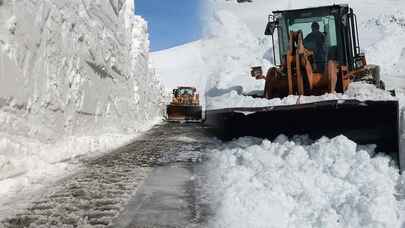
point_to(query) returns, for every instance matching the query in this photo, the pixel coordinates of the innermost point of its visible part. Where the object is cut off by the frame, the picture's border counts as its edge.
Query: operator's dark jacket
(315, 41)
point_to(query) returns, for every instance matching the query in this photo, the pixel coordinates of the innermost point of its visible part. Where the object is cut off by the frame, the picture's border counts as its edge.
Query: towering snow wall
(74, 78)
(74, 67)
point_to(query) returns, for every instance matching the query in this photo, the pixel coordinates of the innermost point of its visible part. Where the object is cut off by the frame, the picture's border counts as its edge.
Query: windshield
(319, 35)
(185, 91)
(327, 26)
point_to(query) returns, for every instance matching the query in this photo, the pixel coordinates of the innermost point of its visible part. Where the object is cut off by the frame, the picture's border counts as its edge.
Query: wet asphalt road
(151, 182)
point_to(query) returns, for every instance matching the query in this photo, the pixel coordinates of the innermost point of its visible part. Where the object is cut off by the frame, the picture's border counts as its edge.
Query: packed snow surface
(75, 78)
(300, 183)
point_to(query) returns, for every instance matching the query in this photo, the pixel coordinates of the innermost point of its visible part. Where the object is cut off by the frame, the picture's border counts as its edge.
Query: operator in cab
(315, 41)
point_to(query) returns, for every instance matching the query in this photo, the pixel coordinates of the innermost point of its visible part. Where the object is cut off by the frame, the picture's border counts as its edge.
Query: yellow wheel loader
(185, 106)
(319, 52)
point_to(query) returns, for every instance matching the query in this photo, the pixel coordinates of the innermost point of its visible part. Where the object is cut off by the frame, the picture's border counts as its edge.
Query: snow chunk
(12, 25)
(329, 183)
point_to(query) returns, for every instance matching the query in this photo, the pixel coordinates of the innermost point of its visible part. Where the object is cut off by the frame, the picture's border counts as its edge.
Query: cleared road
(151, 182)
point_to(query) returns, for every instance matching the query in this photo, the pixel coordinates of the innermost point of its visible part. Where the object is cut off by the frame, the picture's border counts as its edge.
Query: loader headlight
(359, 63)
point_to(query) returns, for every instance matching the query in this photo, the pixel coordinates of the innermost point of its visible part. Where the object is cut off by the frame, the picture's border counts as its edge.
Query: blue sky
(171, 22)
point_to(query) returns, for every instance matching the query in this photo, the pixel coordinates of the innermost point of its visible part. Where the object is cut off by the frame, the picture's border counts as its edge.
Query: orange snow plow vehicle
(318, 52)
(185, 106)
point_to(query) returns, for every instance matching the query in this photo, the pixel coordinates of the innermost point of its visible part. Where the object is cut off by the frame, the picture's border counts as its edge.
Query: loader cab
(337, 24)
(186, 96)
(183, 91)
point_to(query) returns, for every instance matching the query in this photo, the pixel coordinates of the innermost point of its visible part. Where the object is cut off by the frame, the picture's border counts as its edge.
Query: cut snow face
(300, 183)
(77, 67)
(75, 78)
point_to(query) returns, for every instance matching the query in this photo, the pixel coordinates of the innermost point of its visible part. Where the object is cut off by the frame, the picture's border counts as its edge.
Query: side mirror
(271, 26)
(256, 72)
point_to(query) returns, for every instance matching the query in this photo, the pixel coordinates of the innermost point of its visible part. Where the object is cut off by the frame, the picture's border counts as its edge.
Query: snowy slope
(213, 64)
(74, 78)
(180, 66)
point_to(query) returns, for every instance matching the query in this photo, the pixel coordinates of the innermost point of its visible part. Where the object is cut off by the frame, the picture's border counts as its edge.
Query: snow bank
(299, 183)
(356, 91)
(75, 78)
(20, 155)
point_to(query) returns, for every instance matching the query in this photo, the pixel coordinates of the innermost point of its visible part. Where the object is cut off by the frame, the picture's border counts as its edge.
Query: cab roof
(335, 6)
(186, 87)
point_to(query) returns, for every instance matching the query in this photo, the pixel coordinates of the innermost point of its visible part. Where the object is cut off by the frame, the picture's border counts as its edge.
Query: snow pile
(20, 155)
(356, 91)
(327, 183)
(74, 78)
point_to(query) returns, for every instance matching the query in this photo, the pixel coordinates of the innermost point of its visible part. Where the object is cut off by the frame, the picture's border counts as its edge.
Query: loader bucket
(368, 122)
(184, 113)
